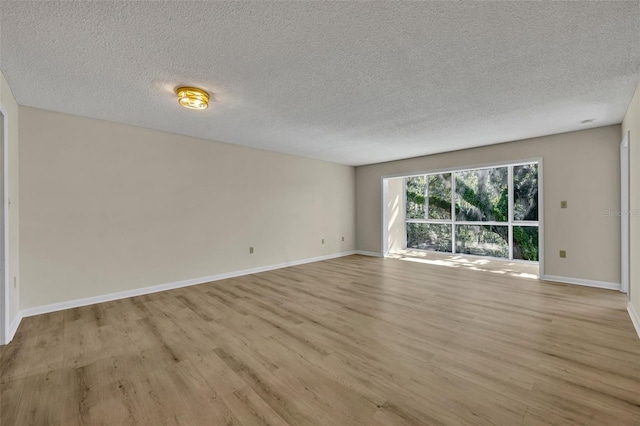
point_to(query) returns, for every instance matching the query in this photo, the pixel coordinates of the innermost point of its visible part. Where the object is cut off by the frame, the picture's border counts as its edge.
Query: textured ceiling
(348, 82)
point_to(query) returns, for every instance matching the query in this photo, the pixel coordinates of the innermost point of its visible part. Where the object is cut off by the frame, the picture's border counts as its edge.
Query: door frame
(625, 214)
(4, 288)
(4, 278)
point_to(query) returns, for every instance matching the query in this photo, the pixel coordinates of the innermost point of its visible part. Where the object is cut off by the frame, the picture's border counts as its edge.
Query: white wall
(109, 207)
(582, 168)
(11, 110)
(631, 123)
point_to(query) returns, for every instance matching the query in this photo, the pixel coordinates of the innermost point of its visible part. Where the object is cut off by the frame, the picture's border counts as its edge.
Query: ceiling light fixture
(192, 97)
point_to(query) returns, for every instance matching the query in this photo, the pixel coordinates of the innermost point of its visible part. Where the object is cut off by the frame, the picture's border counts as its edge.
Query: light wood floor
(351, 341)
(508, 268)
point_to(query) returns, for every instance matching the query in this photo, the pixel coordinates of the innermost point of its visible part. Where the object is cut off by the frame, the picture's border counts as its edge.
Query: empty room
(320, 213)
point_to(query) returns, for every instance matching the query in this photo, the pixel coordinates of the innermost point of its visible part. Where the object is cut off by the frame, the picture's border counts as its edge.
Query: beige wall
(395, 215)
(631, 123)
(11, 108)
(109, 207)
(582, 168)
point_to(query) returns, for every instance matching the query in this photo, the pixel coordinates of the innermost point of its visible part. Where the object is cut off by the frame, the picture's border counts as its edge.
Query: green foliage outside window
(416, 188)
(481, 195)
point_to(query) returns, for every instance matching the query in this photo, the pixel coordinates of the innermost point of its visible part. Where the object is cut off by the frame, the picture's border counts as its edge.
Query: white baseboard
(44, 309)
(635, 318)
(368, 253)
(580, 281)
(13, 328)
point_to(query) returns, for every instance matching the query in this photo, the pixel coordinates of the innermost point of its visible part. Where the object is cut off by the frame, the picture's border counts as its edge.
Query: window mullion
(453, 212)
(510, 210)
(404, 197)
(426, 197)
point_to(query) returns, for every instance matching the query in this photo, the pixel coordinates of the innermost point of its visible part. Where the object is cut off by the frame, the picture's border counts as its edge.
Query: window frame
(510, 223)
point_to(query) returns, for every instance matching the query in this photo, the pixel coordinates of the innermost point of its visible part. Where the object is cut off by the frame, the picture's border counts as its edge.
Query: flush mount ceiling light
(192, 97)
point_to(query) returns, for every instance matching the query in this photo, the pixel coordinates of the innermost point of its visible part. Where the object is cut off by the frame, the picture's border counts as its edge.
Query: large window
(487, 212)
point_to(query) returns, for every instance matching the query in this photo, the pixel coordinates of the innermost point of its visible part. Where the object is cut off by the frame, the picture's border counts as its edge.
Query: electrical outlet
(563, 254)
(250, 249)
(563, 204)
(323, 241)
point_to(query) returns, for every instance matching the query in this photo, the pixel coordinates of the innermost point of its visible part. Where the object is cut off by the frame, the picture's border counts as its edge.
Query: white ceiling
(349, 82)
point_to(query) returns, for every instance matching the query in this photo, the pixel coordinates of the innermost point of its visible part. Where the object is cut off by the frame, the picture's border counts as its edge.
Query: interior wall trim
(13, 327)
(583, 282)
(368, 253)
(635, 318)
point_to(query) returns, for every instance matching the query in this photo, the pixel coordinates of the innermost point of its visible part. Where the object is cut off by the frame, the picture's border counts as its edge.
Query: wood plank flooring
(350, 341)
